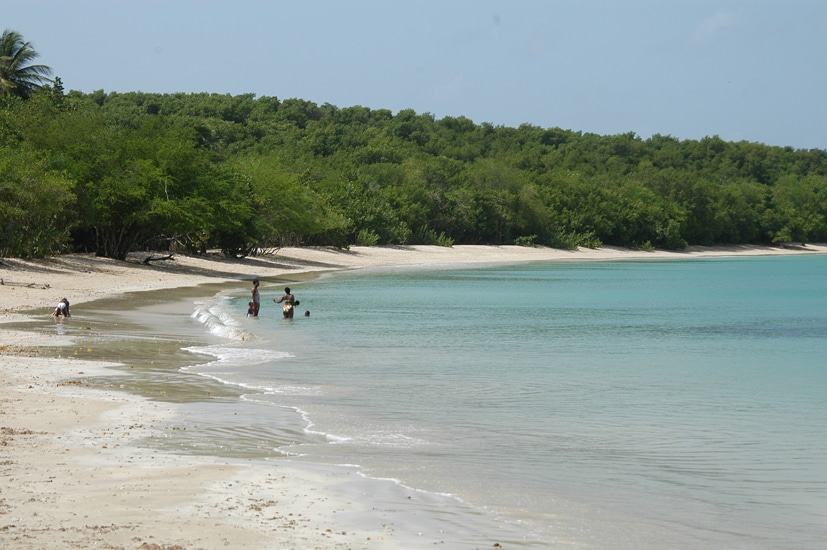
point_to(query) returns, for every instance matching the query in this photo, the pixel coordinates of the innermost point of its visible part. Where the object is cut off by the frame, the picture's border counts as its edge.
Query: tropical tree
(33, 205)
(18, 76)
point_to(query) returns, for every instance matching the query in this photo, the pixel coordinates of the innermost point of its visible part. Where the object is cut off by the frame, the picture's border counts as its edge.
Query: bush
(444, 240)
(426, 235)
(366, 237)
(528, 240)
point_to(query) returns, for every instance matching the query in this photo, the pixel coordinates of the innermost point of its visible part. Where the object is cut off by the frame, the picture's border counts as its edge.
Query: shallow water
(669, 404)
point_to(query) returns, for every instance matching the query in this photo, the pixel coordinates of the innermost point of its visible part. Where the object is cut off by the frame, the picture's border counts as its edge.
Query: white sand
(72, 477)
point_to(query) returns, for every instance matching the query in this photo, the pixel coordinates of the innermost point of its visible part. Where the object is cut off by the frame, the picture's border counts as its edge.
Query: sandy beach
(72, 474)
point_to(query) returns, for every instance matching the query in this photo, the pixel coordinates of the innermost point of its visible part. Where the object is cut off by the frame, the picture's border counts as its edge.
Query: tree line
(117, 172)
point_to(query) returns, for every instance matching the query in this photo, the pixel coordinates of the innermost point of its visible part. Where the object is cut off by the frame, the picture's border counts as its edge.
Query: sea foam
(219, 321)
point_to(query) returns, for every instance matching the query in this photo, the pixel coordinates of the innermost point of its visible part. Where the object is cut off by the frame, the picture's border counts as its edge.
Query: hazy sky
(752, 70)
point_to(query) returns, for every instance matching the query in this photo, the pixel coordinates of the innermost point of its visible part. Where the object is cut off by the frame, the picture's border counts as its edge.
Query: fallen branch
(157, 258)
(27, 285)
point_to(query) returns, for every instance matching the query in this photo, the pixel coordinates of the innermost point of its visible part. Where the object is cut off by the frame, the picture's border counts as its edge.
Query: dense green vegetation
(117, 172)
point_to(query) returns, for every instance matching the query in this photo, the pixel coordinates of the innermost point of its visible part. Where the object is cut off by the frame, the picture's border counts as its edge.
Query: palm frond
(18, 75)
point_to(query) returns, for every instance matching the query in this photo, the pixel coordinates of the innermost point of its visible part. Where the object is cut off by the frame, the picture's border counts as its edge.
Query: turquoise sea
(623, 405)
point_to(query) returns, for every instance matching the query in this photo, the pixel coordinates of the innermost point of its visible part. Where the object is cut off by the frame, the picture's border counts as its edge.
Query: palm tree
(17, 75)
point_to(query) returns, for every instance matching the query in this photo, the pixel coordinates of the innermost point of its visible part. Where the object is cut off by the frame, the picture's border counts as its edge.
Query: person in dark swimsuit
(256, 295)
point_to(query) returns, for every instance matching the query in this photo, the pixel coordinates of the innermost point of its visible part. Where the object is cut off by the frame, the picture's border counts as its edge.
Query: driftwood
(27, 285)
(157, 258)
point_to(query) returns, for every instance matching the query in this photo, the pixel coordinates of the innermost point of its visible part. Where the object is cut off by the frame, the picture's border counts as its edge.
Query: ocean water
(623, 405)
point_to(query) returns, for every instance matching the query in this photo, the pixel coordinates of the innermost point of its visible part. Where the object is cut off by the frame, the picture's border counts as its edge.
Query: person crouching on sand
(289, 303)
(62, 309)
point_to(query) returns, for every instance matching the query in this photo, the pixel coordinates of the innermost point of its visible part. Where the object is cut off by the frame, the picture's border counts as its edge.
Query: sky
(753, 70)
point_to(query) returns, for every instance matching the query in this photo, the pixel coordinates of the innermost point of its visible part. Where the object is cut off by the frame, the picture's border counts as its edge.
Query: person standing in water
(256, 298)
(289, 303)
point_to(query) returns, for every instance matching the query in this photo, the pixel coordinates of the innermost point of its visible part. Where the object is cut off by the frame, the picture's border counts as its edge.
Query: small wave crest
(219, 321)
(230, 356)
(230, 363)
(391, 440)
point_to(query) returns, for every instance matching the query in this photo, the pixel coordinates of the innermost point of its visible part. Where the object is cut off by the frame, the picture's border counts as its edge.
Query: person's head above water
(287, 290)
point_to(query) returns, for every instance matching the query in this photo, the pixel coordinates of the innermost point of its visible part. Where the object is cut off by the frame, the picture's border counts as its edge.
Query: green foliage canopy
(198, 171)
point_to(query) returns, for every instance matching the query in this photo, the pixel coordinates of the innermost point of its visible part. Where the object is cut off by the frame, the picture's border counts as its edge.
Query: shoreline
(29, 285)
(72, 477)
